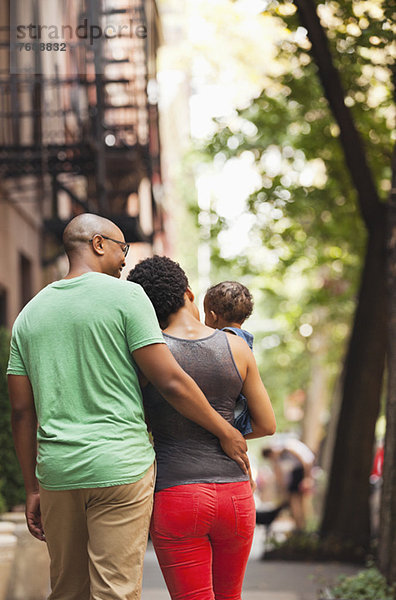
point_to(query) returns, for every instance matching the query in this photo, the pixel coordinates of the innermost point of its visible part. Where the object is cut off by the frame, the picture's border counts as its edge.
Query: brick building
(78, 133)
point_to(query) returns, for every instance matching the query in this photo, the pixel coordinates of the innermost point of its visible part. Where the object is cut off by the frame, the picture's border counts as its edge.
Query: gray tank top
(186, 452)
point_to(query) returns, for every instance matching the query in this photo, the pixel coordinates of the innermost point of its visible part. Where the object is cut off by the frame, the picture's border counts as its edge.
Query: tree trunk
(351, 141)
(346, 513)
(387, 541)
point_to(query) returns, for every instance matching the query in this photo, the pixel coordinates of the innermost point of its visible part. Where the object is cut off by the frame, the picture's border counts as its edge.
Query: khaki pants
(97, 539)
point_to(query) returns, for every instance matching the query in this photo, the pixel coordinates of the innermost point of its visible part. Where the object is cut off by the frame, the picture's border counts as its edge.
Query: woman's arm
(260, 408)
(259, 405)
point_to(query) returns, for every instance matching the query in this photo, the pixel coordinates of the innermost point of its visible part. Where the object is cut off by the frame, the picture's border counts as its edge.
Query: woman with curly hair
(204, 515)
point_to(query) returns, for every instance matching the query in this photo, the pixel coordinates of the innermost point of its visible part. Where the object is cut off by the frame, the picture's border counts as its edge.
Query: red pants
(202, 535)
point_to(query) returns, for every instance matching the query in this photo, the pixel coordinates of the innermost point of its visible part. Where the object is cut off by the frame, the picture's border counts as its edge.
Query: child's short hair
(231, 300)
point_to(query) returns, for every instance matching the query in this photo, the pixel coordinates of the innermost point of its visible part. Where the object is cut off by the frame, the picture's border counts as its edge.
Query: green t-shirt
(74, 342)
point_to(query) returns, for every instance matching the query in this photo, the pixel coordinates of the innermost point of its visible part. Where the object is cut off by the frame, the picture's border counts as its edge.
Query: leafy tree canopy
(306, 238)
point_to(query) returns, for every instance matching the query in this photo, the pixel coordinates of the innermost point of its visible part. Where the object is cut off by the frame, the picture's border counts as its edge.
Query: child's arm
(242, 419)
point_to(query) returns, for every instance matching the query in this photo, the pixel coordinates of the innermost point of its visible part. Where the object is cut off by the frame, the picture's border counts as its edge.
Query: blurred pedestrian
(376, 488)
(292, 462)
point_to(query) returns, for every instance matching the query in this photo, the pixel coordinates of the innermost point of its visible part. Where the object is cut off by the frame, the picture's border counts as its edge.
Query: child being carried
(227, 305)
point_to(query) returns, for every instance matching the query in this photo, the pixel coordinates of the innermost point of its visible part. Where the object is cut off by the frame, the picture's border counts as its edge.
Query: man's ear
(97, 244)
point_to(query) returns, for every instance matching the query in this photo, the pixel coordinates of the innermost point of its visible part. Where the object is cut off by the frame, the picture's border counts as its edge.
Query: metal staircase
(86, 135)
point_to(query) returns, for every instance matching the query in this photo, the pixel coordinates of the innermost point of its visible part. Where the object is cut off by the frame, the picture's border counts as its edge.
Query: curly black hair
(231, 300)
(164, 282)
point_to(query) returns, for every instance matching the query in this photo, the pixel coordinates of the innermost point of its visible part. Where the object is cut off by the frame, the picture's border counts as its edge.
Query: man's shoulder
(129, 285)
(102, 281)
(37, 298)
(20, 325)
(119, 293)
(121, 285)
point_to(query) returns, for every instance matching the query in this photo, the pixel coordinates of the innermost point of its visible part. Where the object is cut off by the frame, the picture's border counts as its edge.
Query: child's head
(226, 303)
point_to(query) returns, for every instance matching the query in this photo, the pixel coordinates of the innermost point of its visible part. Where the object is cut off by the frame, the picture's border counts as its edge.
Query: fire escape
(88, 139)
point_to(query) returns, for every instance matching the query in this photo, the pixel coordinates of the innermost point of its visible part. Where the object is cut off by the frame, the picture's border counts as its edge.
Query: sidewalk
(264, 580)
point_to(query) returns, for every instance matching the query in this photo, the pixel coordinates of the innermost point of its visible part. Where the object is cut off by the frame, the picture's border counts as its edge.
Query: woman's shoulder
(240, 352)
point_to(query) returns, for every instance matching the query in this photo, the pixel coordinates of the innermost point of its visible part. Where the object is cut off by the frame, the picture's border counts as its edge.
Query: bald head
(82, 228)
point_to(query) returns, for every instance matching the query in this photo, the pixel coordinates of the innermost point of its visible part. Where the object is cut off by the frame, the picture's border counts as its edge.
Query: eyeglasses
(125, 246)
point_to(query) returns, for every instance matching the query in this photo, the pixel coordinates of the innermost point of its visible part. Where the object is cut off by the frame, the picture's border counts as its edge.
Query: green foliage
(366, 585)
(12, 489)
(360, 36)
(307, 239)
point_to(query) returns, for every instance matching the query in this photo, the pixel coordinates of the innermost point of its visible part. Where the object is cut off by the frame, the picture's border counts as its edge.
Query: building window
(25, 271)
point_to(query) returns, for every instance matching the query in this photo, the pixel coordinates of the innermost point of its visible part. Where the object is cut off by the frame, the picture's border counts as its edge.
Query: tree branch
(351, 141)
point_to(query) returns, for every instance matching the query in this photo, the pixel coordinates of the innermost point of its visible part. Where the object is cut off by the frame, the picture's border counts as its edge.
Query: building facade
(78, 133)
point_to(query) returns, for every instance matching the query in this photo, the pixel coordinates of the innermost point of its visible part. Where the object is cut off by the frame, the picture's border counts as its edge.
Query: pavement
(264, 580)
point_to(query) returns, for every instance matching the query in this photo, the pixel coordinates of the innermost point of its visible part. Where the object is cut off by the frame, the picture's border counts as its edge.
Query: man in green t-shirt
(77, 417)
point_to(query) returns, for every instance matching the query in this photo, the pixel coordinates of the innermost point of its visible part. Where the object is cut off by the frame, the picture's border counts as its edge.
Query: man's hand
(33, 515)
(234, 445)
(160, 368)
